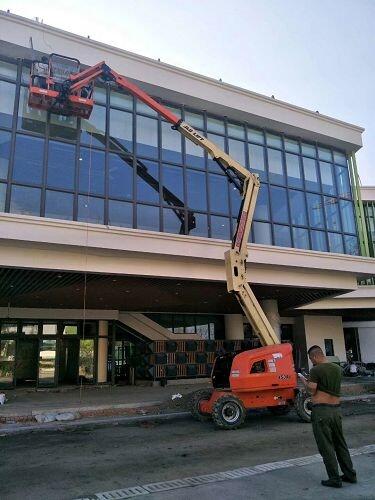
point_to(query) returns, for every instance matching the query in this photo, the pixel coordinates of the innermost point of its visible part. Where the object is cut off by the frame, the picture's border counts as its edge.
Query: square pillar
(234, 327)
(102, 352)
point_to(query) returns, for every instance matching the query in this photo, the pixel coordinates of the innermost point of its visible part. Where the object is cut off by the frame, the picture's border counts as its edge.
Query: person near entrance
(324, 385)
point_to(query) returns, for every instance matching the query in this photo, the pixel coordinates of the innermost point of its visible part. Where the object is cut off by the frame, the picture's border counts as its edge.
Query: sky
(318, 54)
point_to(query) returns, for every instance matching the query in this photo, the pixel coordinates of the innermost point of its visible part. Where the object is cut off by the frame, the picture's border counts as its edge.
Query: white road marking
(146, 489)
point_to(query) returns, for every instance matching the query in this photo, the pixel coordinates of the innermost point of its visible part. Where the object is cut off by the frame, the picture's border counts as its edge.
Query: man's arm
(309, 385)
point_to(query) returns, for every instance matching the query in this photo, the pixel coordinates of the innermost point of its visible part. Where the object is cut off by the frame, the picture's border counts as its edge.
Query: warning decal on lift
(271, 365)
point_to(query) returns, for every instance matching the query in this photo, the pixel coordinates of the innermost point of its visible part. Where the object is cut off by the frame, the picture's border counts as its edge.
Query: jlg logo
(193, 132)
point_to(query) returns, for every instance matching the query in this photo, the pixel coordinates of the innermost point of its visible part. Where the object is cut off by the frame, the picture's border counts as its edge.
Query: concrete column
(234, 327)
(102, 351)
(271, 310)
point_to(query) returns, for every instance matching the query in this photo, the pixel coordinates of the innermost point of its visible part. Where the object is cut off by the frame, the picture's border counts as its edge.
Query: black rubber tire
(195, 399)
(301, 403)
(222, 410)
(280, 410)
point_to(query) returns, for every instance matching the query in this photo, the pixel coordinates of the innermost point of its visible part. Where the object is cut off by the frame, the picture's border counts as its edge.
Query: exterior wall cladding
(126, 167)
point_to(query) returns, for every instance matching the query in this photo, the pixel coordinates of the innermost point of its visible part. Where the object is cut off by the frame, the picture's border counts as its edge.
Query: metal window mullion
(106, 157)
(44, 167)
(77, 169)
(134, 158)
(159, 163)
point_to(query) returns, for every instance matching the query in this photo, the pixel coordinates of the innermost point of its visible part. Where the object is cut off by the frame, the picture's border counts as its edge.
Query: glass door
(7, 358)
(47, 362)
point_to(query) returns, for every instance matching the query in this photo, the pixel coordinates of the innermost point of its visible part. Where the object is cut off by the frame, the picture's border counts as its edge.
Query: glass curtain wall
(126, 167)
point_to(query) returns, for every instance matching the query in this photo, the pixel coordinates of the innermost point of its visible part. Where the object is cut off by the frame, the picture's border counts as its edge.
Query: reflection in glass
(61, 165)
(91, 171)
(93, 129)
(201, 226)
(59, 205)
(343, 182)
(351, 245)
(63, 127)
(49, 329)
(326, 175)
(70, 330)
(121, 131)
(262, 210)
(262, 233)
(215, 125)
(279, 205)
(173, 182)
(339, 158)
(235, 130)
(148, 181)
(194, 119)
(273, 140)
(257, 161)
(237, 151)
(218, 189)
(298, 207)
(275, 166)
(173, 221)
(308, 149)
(28, 159)
(3, 192)
(220, 143)
(195, 154)
(236, 199)
(147, 137)
(25, 200)
(332, 213)
(5, 138)
(86, 360)
(293, 170)
(311, 174)
(220, 227)
(148, 218)
(318, 241)
(315, 210)
(282, 236)
(29, 119)
(347, 216)
(171, 143)
(90, 209)
(324, 154)
(301, 238)
(120, 176)
(120, 213)
(291, 145)
(196, 190)
(47, 361)
(256, 136)
(335, 243)
(7, 355)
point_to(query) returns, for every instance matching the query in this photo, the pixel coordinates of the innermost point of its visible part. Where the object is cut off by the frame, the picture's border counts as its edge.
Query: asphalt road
(77, 463)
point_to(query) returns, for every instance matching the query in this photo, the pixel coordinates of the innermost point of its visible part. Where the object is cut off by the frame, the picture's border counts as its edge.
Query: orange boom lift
(259, 378)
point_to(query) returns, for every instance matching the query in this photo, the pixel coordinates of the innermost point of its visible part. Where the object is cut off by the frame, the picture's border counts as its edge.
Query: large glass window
(237, 151)
(319, 241)
(47, 362)
(235, 130)
(279, 204)
(86, 360)
(218, 186)
(343, 182)
(332, 213)
(7, 92)
(91, 171)
(120, 100)
(91, 209)
(148, 217)
(147, 137)
(93, 129)
(3, 191)
(120, 213)
(30, 119)
(262, 233)
(275, 166)
(220, 227)
(8, 70)
(196, 190)
(282, 235)
(201, 226)
(148, 181)
(293, 170)
(63, 127)
(28, 159)
(25, 200)
(61, 165)
(311, 174)
(171, 143)
(120, 176)
(220, 143)
(59, 205)
(315, 210)
(327, 177)
(195, 154)
(347, 216)
(351, 244)
(336, 244)
(121, 131)
(173, 221)
(5, 138)
(301, 238)
(257, 161)
(298, 207)
(262, 210)
(215, 125)
(7, 357)
(256, 136)
(173, 185)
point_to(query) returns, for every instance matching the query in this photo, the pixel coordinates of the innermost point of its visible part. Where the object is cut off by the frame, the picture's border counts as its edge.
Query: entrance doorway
(352, 343)
(68, 361)
(26, 369)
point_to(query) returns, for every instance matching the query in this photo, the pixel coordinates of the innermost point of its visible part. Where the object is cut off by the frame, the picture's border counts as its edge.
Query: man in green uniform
(324, 385)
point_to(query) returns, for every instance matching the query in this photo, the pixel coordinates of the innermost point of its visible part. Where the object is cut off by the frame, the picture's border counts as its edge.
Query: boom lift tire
(280, 410)
(302, 405)
(228, 412)
(195, 399)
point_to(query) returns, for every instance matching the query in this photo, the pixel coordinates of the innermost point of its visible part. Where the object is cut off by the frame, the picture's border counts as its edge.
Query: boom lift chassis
(67, 98)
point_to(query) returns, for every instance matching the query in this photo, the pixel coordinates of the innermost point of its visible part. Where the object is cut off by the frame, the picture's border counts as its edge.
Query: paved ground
(78, 463)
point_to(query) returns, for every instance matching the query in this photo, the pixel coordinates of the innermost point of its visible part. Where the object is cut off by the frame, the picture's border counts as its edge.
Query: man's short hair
(315, 349)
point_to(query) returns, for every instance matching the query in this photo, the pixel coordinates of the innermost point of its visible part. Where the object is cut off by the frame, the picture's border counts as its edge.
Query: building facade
(114, 228)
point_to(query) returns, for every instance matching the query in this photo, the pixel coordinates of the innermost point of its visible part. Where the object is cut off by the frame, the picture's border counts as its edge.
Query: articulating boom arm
(246, 182)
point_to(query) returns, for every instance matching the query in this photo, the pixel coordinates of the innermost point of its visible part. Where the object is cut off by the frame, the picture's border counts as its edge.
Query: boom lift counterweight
(72, 95)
